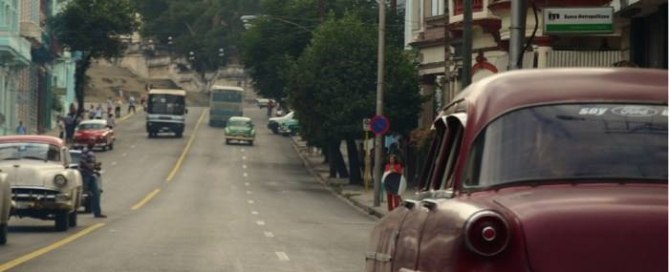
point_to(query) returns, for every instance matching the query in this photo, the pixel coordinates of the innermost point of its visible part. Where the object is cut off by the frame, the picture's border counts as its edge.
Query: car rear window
(574, 141)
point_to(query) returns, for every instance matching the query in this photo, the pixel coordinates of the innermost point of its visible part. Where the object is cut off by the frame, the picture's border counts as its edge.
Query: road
(196, 204)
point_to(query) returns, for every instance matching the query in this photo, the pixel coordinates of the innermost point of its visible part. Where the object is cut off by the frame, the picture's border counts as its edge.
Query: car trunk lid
(593, 227)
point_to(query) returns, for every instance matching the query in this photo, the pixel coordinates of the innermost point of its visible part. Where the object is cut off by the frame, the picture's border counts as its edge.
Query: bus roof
(168, 91)
(231, 88)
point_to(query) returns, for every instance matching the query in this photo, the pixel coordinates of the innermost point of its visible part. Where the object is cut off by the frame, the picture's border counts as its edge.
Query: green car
(289, 127)
(241, 129)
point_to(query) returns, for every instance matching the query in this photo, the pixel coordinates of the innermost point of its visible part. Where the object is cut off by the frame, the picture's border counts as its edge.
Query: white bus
(166, 111)
(225, 102)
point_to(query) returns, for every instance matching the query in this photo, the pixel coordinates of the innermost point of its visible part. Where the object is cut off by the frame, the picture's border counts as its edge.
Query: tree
(94, 28)
(332, 86)
(201, 26)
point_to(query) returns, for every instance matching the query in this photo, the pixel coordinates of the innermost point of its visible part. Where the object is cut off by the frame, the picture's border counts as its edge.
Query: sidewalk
(355, 195)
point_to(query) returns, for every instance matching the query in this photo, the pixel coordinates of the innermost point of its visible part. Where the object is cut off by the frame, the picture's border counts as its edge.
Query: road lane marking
(246, 175)
(243, 157)
(244, 166)
(247, 184)
(248, 192)
(113, 163)
(260, 223)
(243, 150)
(282, 256)
(269, 234)
(132, 146)
(251, 202)
(146, 199)
(25, 258)
(186, 149)
(124, 154)
(254, 213)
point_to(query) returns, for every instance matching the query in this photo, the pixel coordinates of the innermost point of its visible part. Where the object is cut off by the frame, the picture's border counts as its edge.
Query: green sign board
(578, 20)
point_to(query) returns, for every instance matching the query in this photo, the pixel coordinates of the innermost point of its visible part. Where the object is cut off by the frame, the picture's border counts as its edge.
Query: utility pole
(447, 54)
(378, 148)
(517, 40)
(467, 44)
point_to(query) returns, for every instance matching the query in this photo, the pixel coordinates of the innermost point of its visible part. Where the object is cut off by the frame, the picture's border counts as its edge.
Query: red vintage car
(540, 170)
(94, 130)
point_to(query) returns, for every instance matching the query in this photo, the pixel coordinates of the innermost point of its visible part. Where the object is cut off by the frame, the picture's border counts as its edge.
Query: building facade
(639, 38)
(14, 56)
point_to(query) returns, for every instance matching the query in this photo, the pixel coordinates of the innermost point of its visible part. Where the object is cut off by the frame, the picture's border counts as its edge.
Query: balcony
(32, 31)
(14, 50)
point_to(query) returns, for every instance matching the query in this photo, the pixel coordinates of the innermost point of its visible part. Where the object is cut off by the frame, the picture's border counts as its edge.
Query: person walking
(61, 127)
(393, 194)
(111, 122)
(87, 168)
(21, 130)
(70, 125)
(131, 104)
(91, 112)
(270, 106)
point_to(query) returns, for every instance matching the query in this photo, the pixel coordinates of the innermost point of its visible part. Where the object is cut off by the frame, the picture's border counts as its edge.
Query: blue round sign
(380, 125)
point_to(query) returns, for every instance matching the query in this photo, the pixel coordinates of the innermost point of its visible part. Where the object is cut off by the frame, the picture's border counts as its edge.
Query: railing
(558, 58)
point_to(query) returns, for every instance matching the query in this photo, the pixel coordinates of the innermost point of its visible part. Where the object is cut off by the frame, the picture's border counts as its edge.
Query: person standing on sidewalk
(393, 196)
(21, 130)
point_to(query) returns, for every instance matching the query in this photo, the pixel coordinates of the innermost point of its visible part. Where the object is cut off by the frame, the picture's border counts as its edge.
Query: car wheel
(104, 148)
(3, 234)
(227, 142)
(73, 219)
(251, 143)
(275, 130)
(111, 146)
(179, 134)
(62, 220)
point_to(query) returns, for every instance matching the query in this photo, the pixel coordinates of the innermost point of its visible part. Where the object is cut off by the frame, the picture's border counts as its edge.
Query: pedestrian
(21, 130)
(61, 127)
(110, 104)
(270, 106)
(131, 104)
(117, 109)
(98, 112)
(111, 122)
(393, 166)
(70, 125)
(91, 112)
(88, 168)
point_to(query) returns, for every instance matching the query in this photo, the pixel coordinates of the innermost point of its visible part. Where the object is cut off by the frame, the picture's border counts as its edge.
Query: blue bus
(225, 102)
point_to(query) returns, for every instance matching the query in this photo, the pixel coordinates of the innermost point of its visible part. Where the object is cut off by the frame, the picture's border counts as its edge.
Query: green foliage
(332, 85)
(95, 27)
(201, 26)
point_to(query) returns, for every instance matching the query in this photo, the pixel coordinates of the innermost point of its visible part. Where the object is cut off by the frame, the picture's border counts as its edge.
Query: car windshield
(595, 141)
(29, 151)
(238, 123)
(91, 126)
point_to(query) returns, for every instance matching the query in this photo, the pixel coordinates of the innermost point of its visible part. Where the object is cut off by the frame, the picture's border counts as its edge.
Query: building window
(437, 7)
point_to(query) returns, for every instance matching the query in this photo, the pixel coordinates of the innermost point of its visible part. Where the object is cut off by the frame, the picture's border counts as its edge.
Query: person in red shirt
(395, 166)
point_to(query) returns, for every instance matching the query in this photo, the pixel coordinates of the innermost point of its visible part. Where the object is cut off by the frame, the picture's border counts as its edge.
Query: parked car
(5, 206)
(240, 129)
(289, 127)
(539, 170)
(263, 102)
(86, 193)
(274, 122)
(42, 183)
(94, 130)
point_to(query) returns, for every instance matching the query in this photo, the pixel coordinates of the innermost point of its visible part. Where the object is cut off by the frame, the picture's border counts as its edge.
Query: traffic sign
(380, 125)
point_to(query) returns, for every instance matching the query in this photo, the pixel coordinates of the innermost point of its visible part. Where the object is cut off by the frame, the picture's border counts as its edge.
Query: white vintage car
(5, 206)
(43, 185)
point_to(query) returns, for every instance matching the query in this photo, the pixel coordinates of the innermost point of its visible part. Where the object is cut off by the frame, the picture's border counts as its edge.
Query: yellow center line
(185, 151)
(146, 199)
(20, 260)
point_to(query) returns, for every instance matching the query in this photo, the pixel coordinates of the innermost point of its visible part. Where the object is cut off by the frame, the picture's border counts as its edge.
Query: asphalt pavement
(196, 204)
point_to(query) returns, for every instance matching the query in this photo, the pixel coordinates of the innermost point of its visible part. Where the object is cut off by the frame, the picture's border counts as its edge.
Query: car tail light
(486, 233)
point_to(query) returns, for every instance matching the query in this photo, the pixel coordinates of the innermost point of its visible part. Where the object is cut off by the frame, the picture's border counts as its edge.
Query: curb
(370, 211)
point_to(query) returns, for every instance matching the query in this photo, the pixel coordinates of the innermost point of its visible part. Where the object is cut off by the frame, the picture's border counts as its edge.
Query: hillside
(107, 80)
